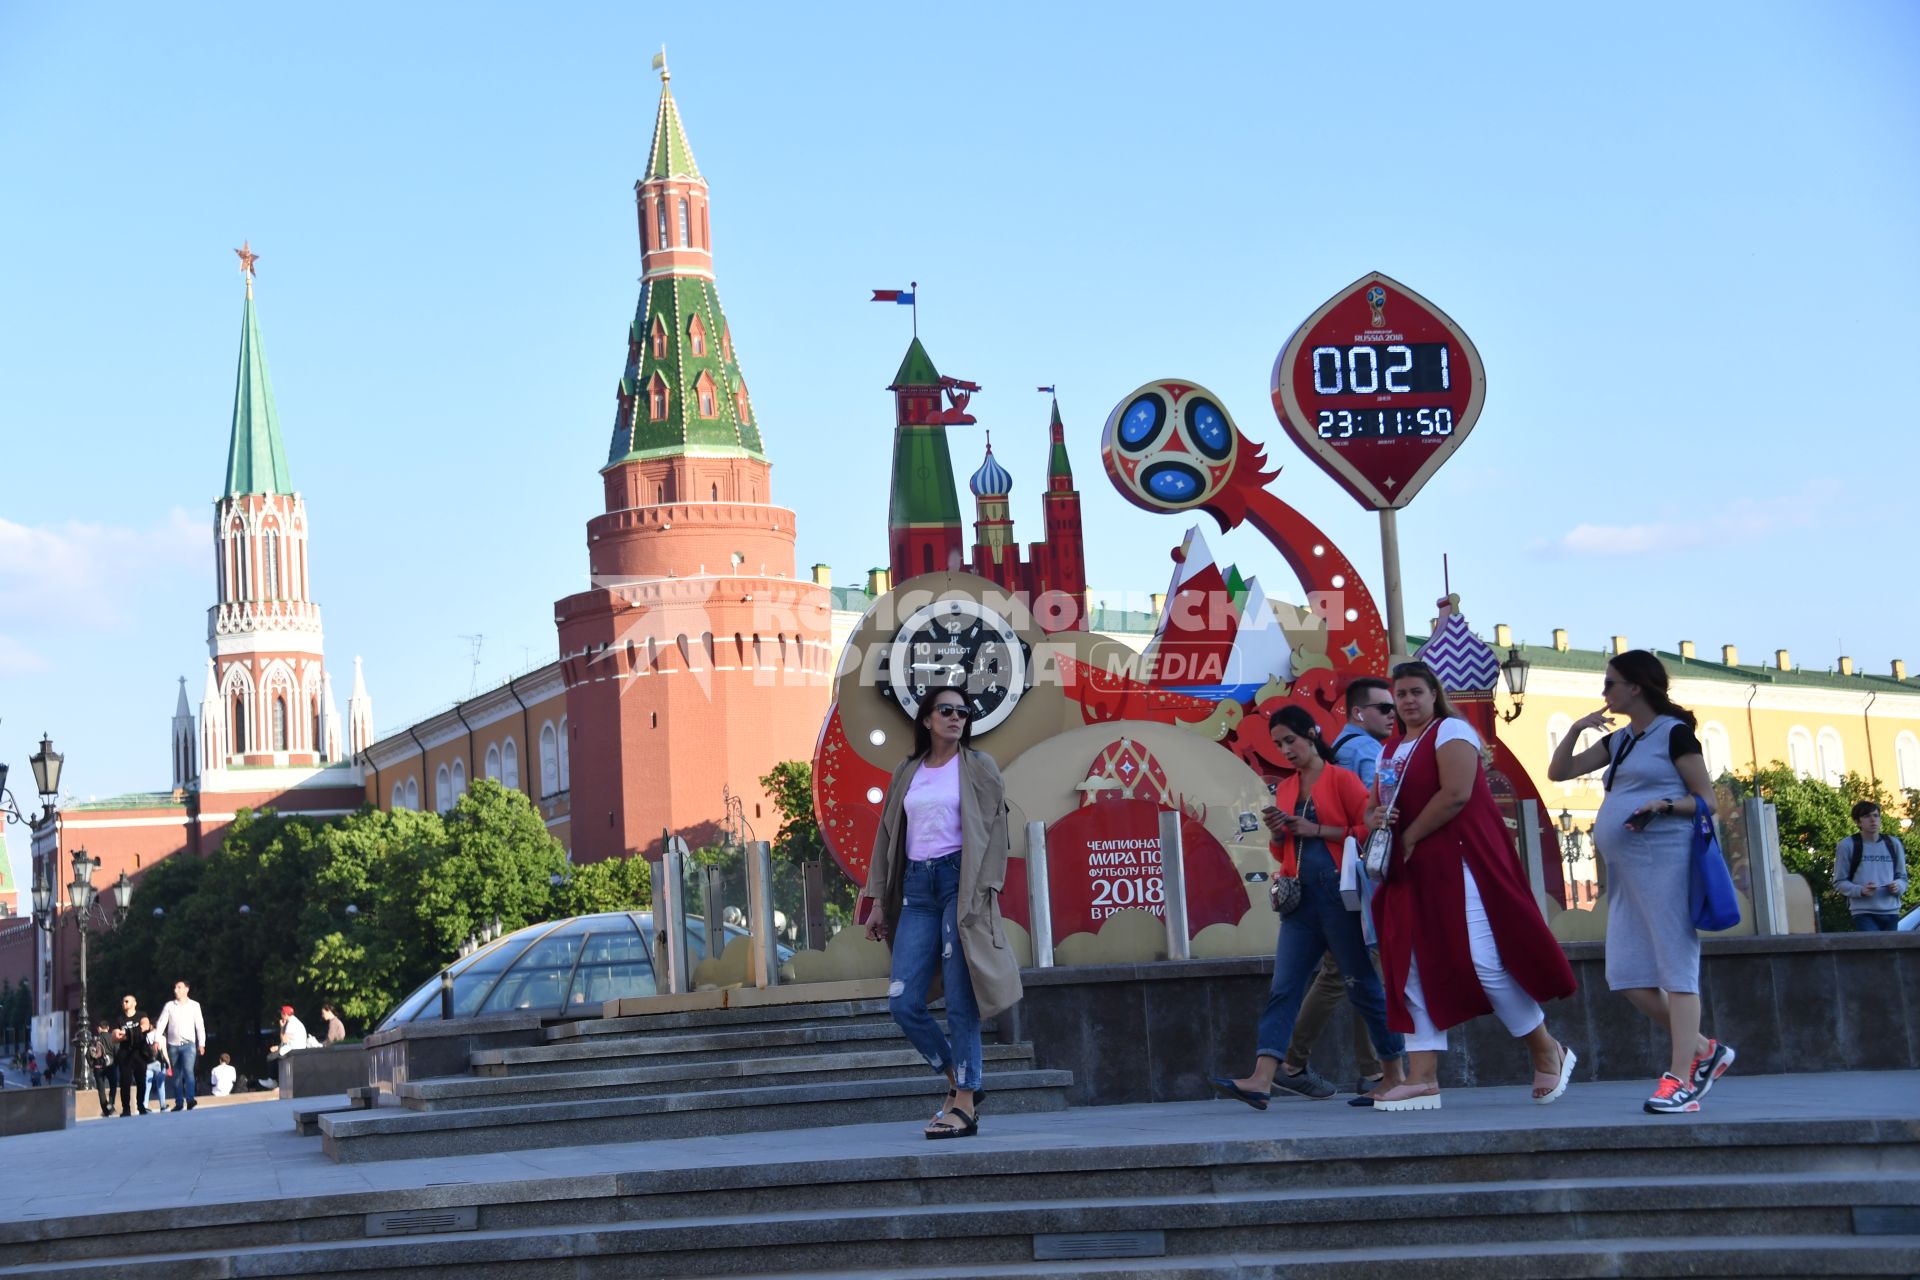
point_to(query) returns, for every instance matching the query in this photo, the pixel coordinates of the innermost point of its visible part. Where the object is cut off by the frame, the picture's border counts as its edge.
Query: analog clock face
(958, 644)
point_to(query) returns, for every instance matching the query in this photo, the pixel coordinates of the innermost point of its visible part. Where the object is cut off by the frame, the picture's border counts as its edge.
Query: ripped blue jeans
(928, 935)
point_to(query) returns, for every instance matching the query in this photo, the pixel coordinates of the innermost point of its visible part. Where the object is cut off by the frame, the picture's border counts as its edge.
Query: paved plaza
(250, 1153)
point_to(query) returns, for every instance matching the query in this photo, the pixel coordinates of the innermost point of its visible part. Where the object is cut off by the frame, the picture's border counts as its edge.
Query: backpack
(1898, 850)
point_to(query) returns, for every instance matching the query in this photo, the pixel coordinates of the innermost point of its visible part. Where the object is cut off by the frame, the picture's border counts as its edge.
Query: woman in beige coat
(934, 880)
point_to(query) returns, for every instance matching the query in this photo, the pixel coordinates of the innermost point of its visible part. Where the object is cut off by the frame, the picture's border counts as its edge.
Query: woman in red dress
(1460, 934)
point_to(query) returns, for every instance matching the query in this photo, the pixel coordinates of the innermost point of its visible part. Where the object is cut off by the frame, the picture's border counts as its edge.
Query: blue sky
(1682, 237)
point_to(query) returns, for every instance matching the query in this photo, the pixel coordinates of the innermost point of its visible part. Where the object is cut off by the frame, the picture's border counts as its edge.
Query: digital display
(1382, 368)
(1378, 386)
(1384, 424)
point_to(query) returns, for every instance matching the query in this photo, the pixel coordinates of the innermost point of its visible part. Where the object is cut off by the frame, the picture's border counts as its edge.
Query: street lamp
(80, 895)
(1514, 673)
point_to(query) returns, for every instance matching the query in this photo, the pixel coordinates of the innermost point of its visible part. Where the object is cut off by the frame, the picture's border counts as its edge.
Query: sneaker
(1308, 1084)
(1710, 1066)
(1672, 1096)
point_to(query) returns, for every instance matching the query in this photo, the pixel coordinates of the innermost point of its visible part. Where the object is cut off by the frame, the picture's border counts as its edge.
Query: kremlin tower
(694, 620)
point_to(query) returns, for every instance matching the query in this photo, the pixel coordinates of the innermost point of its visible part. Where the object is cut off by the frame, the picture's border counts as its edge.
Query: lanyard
(1633, 740)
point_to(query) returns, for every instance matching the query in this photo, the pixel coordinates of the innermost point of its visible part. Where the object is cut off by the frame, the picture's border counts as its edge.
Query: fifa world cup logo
(1377, 303)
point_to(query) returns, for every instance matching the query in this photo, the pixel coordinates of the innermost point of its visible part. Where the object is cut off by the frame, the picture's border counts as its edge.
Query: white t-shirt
(294, 1034)
(223, 1075)
(1452, 729)
(933, 811)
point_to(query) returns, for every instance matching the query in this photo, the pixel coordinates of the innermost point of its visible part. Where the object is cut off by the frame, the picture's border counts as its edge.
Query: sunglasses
(1377, 706)
(959, 713)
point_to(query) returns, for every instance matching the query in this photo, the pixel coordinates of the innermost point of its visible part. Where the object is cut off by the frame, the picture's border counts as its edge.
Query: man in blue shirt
(1357, 750)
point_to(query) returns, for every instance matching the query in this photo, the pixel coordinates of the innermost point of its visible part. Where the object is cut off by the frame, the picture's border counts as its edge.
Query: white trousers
(1514, 1007)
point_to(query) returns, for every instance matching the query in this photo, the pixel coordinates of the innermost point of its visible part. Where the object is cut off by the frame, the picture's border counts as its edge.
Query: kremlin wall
(699, 656)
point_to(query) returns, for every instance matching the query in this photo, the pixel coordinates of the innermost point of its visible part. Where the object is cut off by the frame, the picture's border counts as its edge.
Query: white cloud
(1730, 524)
(79, 572)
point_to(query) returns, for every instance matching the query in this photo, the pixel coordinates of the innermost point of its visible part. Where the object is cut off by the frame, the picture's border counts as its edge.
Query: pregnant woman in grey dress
(1655, 779)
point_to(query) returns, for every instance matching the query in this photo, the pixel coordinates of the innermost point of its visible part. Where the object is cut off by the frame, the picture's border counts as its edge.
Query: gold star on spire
(247, 258)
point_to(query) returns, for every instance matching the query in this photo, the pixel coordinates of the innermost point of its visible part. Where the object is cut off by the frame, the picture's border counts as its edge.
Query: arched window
(242, 584)
(279, 724)
(239, 725)
(1906, 761)
(459, 778)
(510, 765)
(442, 790)
(1800, 754)
(1717, 749)
(684, 241)
(714, 492)
(1833, 757)
(566, 770)
(413, 793)
(549, 760)
(493, 763)
(399, 795)
(657, 398)
(660, 208)
(697, 335)
(726, 345)
(273, 564)
(740, 402)
(659, 339)
(704, 389)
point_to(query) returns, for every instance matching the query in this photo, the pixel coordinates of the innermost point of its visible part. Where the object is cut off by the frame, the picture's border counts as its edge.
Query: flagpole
(914, 286)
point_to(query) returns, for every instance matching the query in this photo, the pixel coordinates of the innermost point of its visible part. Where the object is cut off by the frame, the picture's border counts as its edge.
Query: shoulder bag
(1378, 854)
(1284, 892)
(1710, 885)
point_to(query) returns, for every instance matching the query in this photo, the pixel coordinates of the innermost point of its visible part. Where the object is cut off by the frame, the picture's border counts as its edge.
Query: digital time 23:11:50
(1346, 424)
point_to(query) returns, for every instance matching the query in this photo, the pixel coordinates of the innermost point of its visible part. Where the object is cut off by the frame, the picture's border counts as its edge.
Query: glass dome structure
(558, 968)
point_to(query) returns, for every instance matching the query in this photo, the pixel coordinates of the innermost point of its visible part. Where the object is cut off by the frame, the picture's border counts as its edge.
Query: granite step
(449, 1092)
(1497, 1178)
(632, 1049)
(1625, 1226)
(413, 1134)
(722, 1019)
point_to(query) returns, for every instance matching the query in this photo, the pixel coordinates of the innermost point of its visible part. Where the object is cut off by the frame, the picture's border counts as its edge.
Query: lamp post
(80, 895)
(1569, 842)
(46, 764)
(1514, 673)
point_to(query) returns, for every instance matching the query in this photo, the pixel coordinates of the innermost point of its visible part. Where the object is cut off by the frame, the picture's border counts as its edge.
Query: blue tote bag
(1710, 891)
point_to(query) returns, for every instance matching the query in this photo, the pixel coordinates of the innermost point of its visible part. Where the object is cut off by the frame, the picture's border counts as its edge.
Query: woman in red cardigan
(1460, 934)
(1313, 813)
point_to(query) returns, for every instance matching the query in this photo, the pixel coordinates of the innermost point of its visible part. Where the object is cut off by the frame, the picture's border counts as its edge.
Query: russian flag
(902, 296)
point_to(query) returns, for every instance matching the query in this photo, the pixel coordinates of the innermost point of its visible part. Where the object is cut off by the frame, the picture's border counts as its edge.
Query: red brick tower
(696, 661)
(1061, 561)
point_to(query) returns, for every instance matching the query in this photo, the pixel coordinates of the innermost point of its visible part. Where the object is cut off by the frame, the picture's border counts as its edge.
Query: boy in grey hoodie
(1870, 870)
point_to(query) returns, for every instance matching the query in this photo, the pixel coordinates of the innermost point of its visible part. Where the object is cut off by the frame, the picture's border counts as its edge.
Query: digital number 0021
(1370, 368)
(1344, 424)
(1150, 891)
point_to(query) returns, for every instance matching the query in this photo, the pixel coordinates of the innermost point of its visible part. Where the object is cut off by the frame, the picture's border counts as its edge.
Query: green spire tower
(923, 510)
(256, 458)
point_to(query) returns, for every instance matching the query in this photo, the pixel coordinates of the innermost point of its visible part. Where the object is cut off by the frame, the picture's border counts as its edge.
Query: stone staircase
(679, 1074)
(1043, 1196)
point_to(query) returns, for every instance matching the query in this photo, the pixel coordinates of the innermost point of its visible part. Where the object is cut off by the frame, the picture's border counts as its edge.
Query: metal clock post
(1379, 387)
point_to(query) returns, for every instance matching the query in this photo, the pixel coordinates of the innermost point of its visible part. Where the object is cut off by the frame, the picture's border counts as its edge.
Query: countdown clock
(958, 644)
(1379, 386)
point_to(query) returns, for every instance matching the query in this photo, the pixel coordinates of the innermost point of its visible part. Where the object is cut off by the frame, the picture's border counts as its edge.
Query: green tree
(612, 884)
(1813, 816)
(798, 841)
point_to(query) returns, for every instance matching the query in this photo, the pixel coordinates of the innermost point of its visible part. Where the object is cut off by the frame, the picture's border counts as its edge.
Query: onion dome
(991, 480)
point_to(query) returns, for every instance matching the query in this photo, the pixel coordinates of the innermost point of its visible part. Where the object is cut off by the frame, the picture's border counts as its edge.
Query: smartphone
(1639, 821)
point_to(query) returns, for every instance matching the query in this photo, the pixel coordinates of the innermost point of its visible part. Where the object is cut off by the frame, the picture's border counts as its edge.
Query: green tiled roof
(1683, 668)
(256, 459)
(1057, 463)
(131, 800)
(673, 303)
(671, 156)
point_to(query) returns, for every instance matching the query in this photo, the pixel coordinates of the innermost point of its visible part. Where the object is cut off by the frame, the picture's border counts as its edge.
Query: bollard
(763, 961)
(1039, 897)
(1173, 883)
(1766, 875)
(1530, 849)
(670, 918)
(446, 993)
